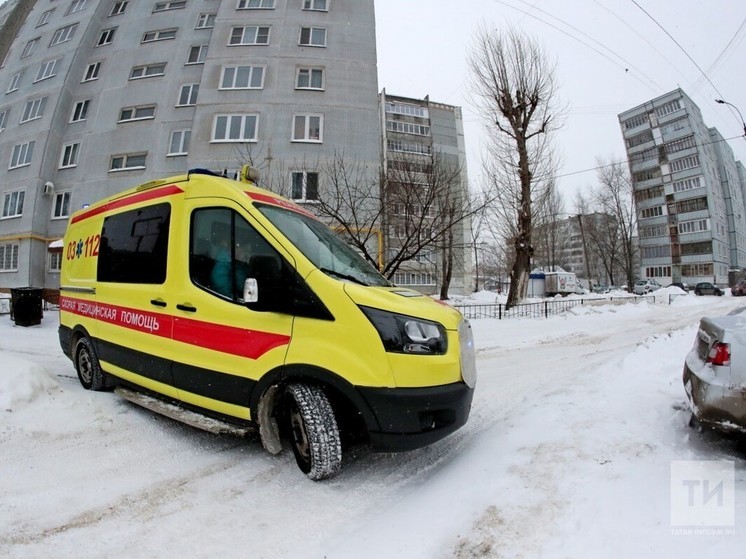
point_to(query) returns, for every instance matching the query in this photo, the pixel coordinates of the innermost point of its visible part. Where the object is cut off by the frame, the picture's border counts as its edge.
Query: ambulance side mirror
(264, 275)
(250, 291)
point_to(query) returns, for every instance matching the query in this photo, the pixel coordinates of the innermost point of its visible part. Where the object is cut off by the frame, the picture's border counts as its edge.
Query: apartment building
(688, 192)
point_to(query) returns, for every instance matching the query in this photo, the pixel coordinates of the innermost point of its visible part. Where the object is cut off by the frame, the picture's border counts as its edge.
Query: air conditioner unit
(48, 188)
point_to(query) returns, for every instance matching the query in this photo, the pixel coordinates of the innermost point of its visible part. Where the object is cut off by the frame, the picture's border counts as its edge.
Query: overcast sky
(610, 57)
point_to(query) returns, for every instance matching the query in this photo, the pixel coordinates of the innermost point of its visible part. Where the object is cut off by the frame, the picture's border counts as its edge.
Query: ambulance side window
(223, 247)
(134, 246)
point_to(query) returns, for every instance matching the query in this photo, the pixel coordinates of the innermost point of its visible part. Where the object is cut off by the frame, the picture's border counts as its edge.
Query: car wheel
(314, 434)
(89, 369)
(697, 292)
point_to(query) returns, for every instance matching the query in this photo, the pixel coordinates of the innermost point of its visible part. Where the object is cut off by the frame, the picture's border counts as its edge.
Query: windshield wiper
(342, 276)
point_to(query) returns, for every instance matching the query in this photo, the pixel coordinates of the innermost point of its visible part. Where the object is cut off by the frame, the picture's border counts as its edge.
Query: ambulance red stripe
(153, 194)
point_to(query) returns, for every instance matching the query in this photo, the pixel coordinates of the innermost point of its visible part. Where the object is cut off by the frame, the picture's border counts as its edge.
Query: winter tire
(89, 369)
(313, 430)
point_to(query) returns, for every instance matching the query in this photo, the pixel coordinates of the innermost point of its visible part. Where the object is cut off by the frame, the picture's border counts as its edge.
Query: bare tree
(550, 239)
(515, 90)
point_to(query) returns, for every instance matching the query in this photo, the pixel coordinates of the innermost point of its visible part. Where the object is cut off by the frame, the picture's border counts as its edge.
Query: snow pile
(23, 382)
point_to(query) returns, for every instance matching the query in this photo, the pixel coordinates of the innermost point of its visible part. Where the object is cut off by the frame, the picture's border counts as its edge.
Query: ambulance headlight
(406, 334)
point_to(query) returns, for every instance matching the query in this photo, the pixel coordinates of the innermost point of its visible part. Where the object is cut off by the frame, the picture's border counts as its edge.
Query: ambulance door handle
(186, 308)
(158, 302)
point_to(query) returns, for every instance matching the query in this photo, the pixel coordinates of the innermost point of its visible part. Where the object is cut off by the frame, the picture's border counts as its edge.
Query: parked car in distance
(739, 289)
(715, 372)
(601, 288)
(707, 288)
(684, 287)
(645, 286)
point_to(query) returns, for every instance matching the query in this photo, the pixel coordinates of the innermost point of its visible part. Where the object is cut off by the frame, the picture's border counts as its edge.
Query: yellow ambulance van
(231, 308)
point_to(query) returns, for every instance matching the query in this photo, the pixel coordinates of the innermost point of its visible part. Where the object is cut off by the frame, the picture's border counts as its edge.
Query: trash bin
(25, 305)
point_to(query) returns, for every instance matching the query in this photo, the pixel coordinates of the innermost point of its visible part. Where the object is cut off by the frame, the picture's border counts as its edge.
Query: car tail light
(719, 354)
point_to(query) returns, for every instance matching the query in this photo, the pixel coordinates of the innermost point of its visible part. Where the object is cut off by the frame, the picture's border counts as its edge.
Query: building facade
(100, 95)
(688, 192)
(426, 180)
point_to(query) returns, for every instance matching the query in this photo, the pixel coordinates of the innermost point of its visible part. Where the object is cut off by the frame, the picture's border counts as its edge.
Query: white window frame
(303, 175)
(159, 35)
(232, 120)
(255, 5)
(236, 41)
(33, 109)
(312, 39)
(44, 18)
(191, 92)
(148, 71)
(47, 70)
(179, 143)
(54, 262)
(63, 34)
(22, 155)
(235, 74)
(80, 111)
(307, 119)
(30, 47)
(91, 72)
(13, 85)
(166, 6)
(196, 55)
(75, 7)
(118, 8)
(206, 20)
(61, 204)
(309, 73)
(139, 112)
(69, 155)
(316, 5)
(126, 162)
(4, 114)
(106, 37)
(13, 203)
(9, 257)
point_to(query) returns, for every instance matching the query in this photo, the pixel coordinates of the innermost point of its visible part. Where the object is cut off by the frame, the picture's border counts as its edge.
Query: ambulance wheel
(89, 369)
(313, 431)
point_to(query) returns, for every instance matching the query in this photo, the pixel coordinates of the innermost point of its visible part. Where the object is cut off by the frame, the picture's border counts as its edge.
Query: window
(44, 19)
(22, 154)
(692, 205)
(179, 142)
(255, 4)
(63, 34)
(61, 205)
(655, 211)
(313, 36)
(310, 78)
(693, 270)
(34, 109)
(317, 5)
(635, 121)
(55, 261)
(661, 251)
(188, 95)
(235, 128)
(242, 77)
(658, 272)
(9, 257)
(197, 54)
(668, 108)
(47, 70)
(251, 35)
(69, 157)
(127, 162)
(28, 50)
(679, 145)
(134, 246)
(106, 37)
(649, 193)
(694, 226)
(76, 6)
(91, 72)
(164, 6)
(14, 83)
(80, 111)
(13, 203)
(407, 128)
(144, 112)
(702, 247)
(685, 163)
(409, 147)
(308, 128)
(305, 186)
(409, 110)
(205, 21)
(160, 35)
(640, 139)
(118, 8)
(4, 118)
(687, 184)
(149, 71)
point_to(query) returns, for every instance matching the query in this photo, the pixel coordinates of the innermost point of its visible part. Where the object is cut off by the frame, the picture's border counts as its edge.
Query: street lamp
(739, 112)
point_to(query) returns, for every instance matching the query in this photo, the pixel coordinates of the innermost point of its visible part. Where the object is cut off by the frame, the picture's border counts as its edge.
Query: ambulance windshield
(323, 247)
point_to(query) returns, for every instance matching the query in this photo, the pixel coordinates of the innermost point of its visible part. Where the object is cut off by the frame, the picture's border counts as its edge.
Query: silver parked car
(645, 286)
(715, 383)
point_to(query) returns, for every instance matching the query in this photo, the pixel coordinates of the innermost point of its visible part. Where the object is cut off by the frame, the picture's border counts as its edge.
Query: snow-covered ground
(574, 449)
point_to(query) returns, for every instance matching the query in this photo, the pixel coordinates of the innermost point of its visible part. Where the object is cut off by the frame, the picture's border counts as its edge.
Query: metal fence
(543, 309)
(4, 306)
